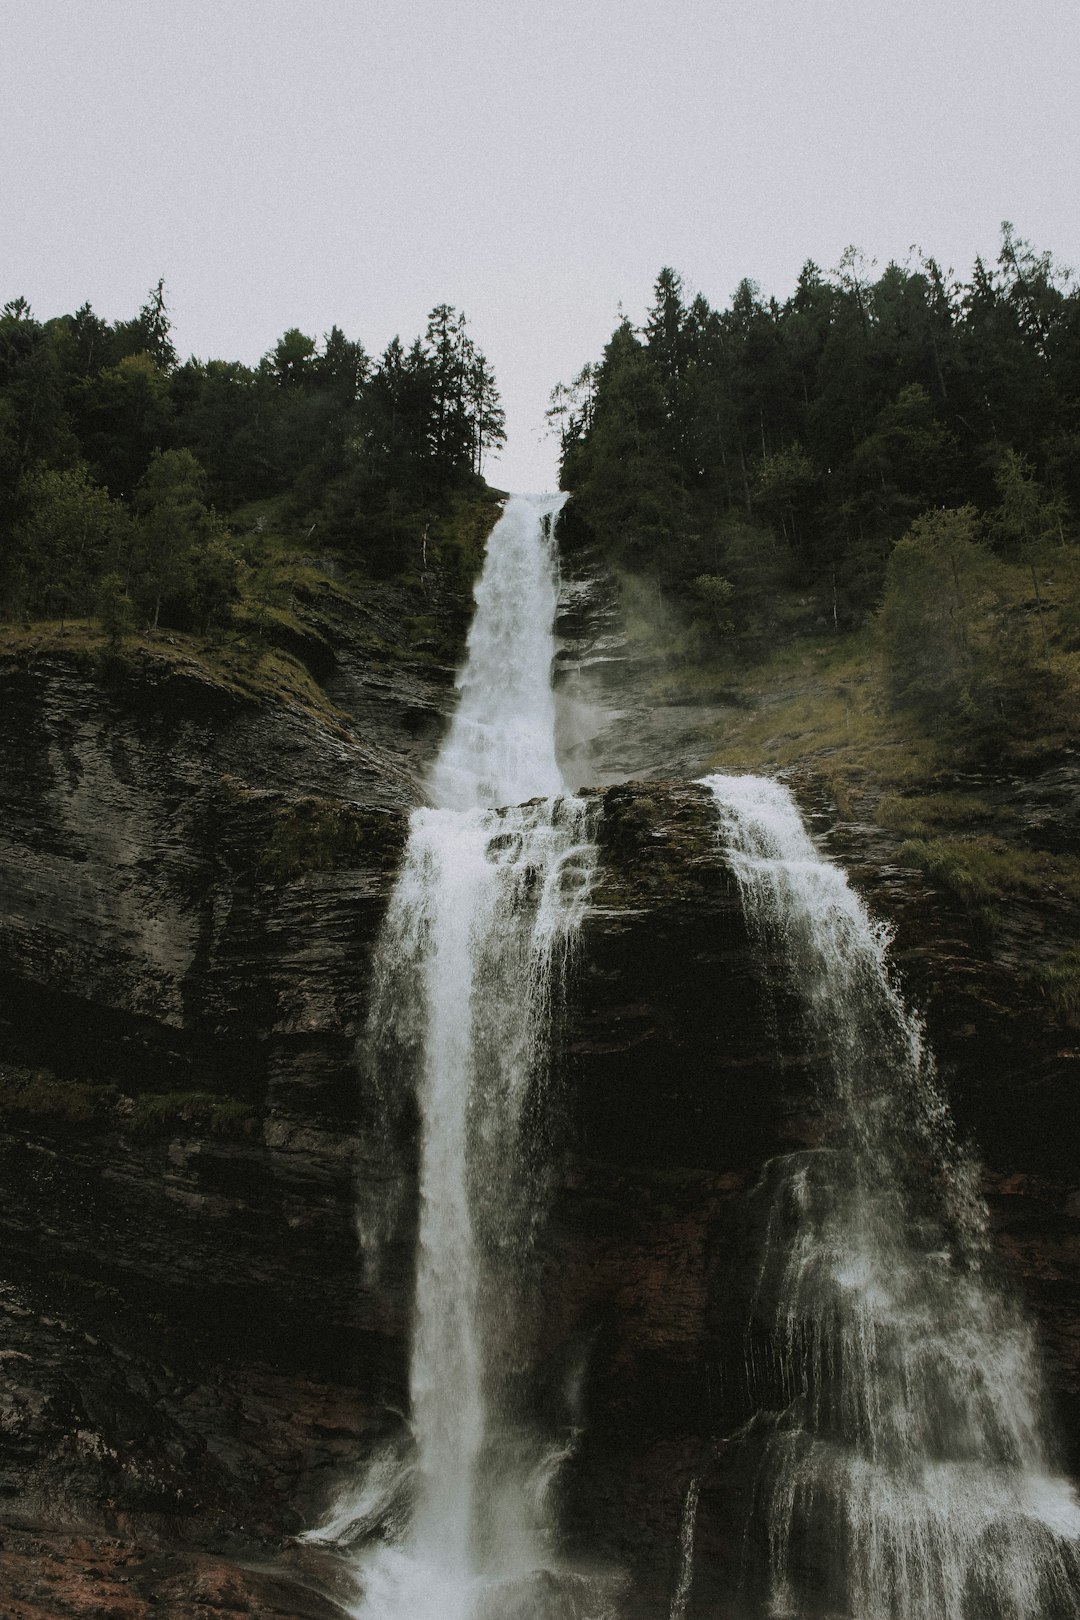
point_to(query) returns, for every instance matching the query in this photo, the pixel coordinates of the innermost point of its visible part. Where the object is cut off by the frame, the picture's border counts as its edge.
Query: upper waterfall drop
(501, 745)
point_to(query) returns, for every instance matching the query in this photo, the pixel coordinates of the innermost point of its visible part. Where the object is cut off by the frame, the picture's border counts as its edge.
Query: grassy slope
(268, 648)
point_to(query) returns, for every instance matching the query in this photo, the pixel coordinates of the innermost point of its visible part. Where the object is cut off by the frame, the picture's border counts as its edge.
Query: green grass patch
(290, 576)
(982, 870)
(819, 702)
(80, 639)
(466, 529)
(1060, 982)
(329, 835)
(156, 1111)
(919, 815)
(35, 1093)
(243, 665)
(277, 674)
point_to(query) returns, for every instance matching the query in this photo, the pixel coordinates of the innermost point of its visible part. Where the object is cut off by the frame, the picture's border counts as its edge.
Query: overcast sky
(305, 162)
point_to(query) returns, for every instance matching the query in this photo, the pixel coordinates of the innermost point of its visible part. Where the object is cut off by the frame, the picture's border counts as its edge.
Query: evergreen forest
(890, 454)
(893, 451)
(152, 493)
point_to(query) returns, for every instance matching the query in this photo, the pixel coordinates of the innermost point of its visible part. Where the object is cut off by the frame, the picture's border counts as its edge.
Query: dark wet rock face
(613, 726)
(191, 881)
(685, 1080)
(191, 885)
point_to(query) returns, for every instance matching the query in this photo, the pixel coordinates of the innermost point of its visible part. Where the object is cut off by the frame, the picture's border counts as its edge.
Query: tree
(293, 359)
(451, 355)
(185, 563)
(625, 473)
(1036, 288)
(1027, 516)
(342, 367)
(487, 420)
(570, 409)
(1026, 519)
(714, 592)
(665, 325)
(150, 333)
(115, 609)
(35, 424)
(906, 463)
(68, 534)
(226, 415)
(787, 490)
(156, 327)
(836, 417)
(937, 581)
(959, 652)
(128, 416)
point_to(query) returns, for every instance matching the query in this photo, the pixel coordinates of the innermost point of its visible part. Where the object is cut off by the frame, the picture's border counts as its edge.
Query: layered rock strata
(191, 883)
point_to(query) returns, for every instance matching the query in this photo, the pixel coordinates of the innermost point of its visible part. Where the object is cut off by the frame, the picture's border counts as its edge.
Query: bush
(960, 647)
(115, 609)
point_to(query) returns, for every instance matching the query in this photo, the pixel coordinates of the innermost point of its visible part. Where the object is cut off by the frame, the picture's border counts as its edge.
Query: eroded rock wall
(192, 1356)
(186, 1340)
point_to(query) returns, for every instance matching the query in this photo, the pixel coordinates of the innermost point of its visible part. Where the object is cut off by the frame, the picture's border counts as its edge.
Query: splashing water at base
(685, 1576)
(471, 959)
(908, 1478)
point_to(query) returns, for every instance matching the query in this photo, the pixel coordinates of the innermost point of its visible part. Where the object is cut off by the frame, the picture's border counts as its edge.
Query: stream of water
(909, 1476)
(472, 955)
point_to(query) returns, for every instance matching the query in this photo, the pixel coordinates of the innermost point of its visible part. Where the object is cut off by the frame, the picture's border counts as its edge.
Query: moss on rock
(317, 834)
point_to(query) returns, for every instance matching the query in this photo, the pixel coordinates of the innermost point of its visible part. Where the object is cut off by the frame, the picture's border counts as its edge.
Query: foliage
(962, 649)
(715, 593)
(35, 1093)
(115, 610)
(69, 532)
(326, 835)
(117, 461)
(981, 870)
(184, 560)
(152, 1112)
(1060, 982)
(827, 425)
(919, 814)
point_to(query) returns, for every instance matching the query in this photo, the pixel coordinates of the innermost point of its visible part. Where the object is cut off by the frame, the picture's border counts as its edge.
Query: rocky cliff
(192, 876)
(193, 870)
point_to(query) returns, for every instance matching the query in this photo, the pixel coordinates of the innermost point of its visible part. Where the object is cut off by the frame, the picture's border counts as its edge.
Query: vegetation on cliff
(896, 451)
(149, 493)
(850, 522)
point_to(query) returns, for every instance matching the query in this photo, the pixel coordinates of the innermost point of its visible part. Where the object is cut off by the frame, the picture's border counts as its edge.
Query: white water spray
(482, 917)
(685, 1576)
(501, 745)
(908, 1478)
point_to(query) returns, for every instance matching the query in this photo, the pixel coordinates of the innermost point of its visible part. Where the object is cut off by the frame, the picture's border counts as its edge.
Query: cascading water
(482, 916)
(907, 1477)
(685, 1575)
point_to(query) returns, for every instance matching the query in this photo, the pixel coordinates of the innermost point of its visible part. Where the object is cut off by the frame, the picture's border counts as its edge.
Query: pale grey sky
(305, 162)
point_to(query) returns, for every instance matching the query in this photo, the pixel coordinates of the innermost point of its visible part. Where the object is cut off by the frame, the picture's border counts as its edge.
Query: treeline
(120, 466)
(740, 453)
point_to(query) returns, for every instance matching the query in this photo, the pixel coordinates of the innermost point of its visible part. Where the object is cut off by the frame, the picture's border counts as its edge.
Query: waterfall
(469, 965)
(907, 1476)
(501, 745)
(685, 1575)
